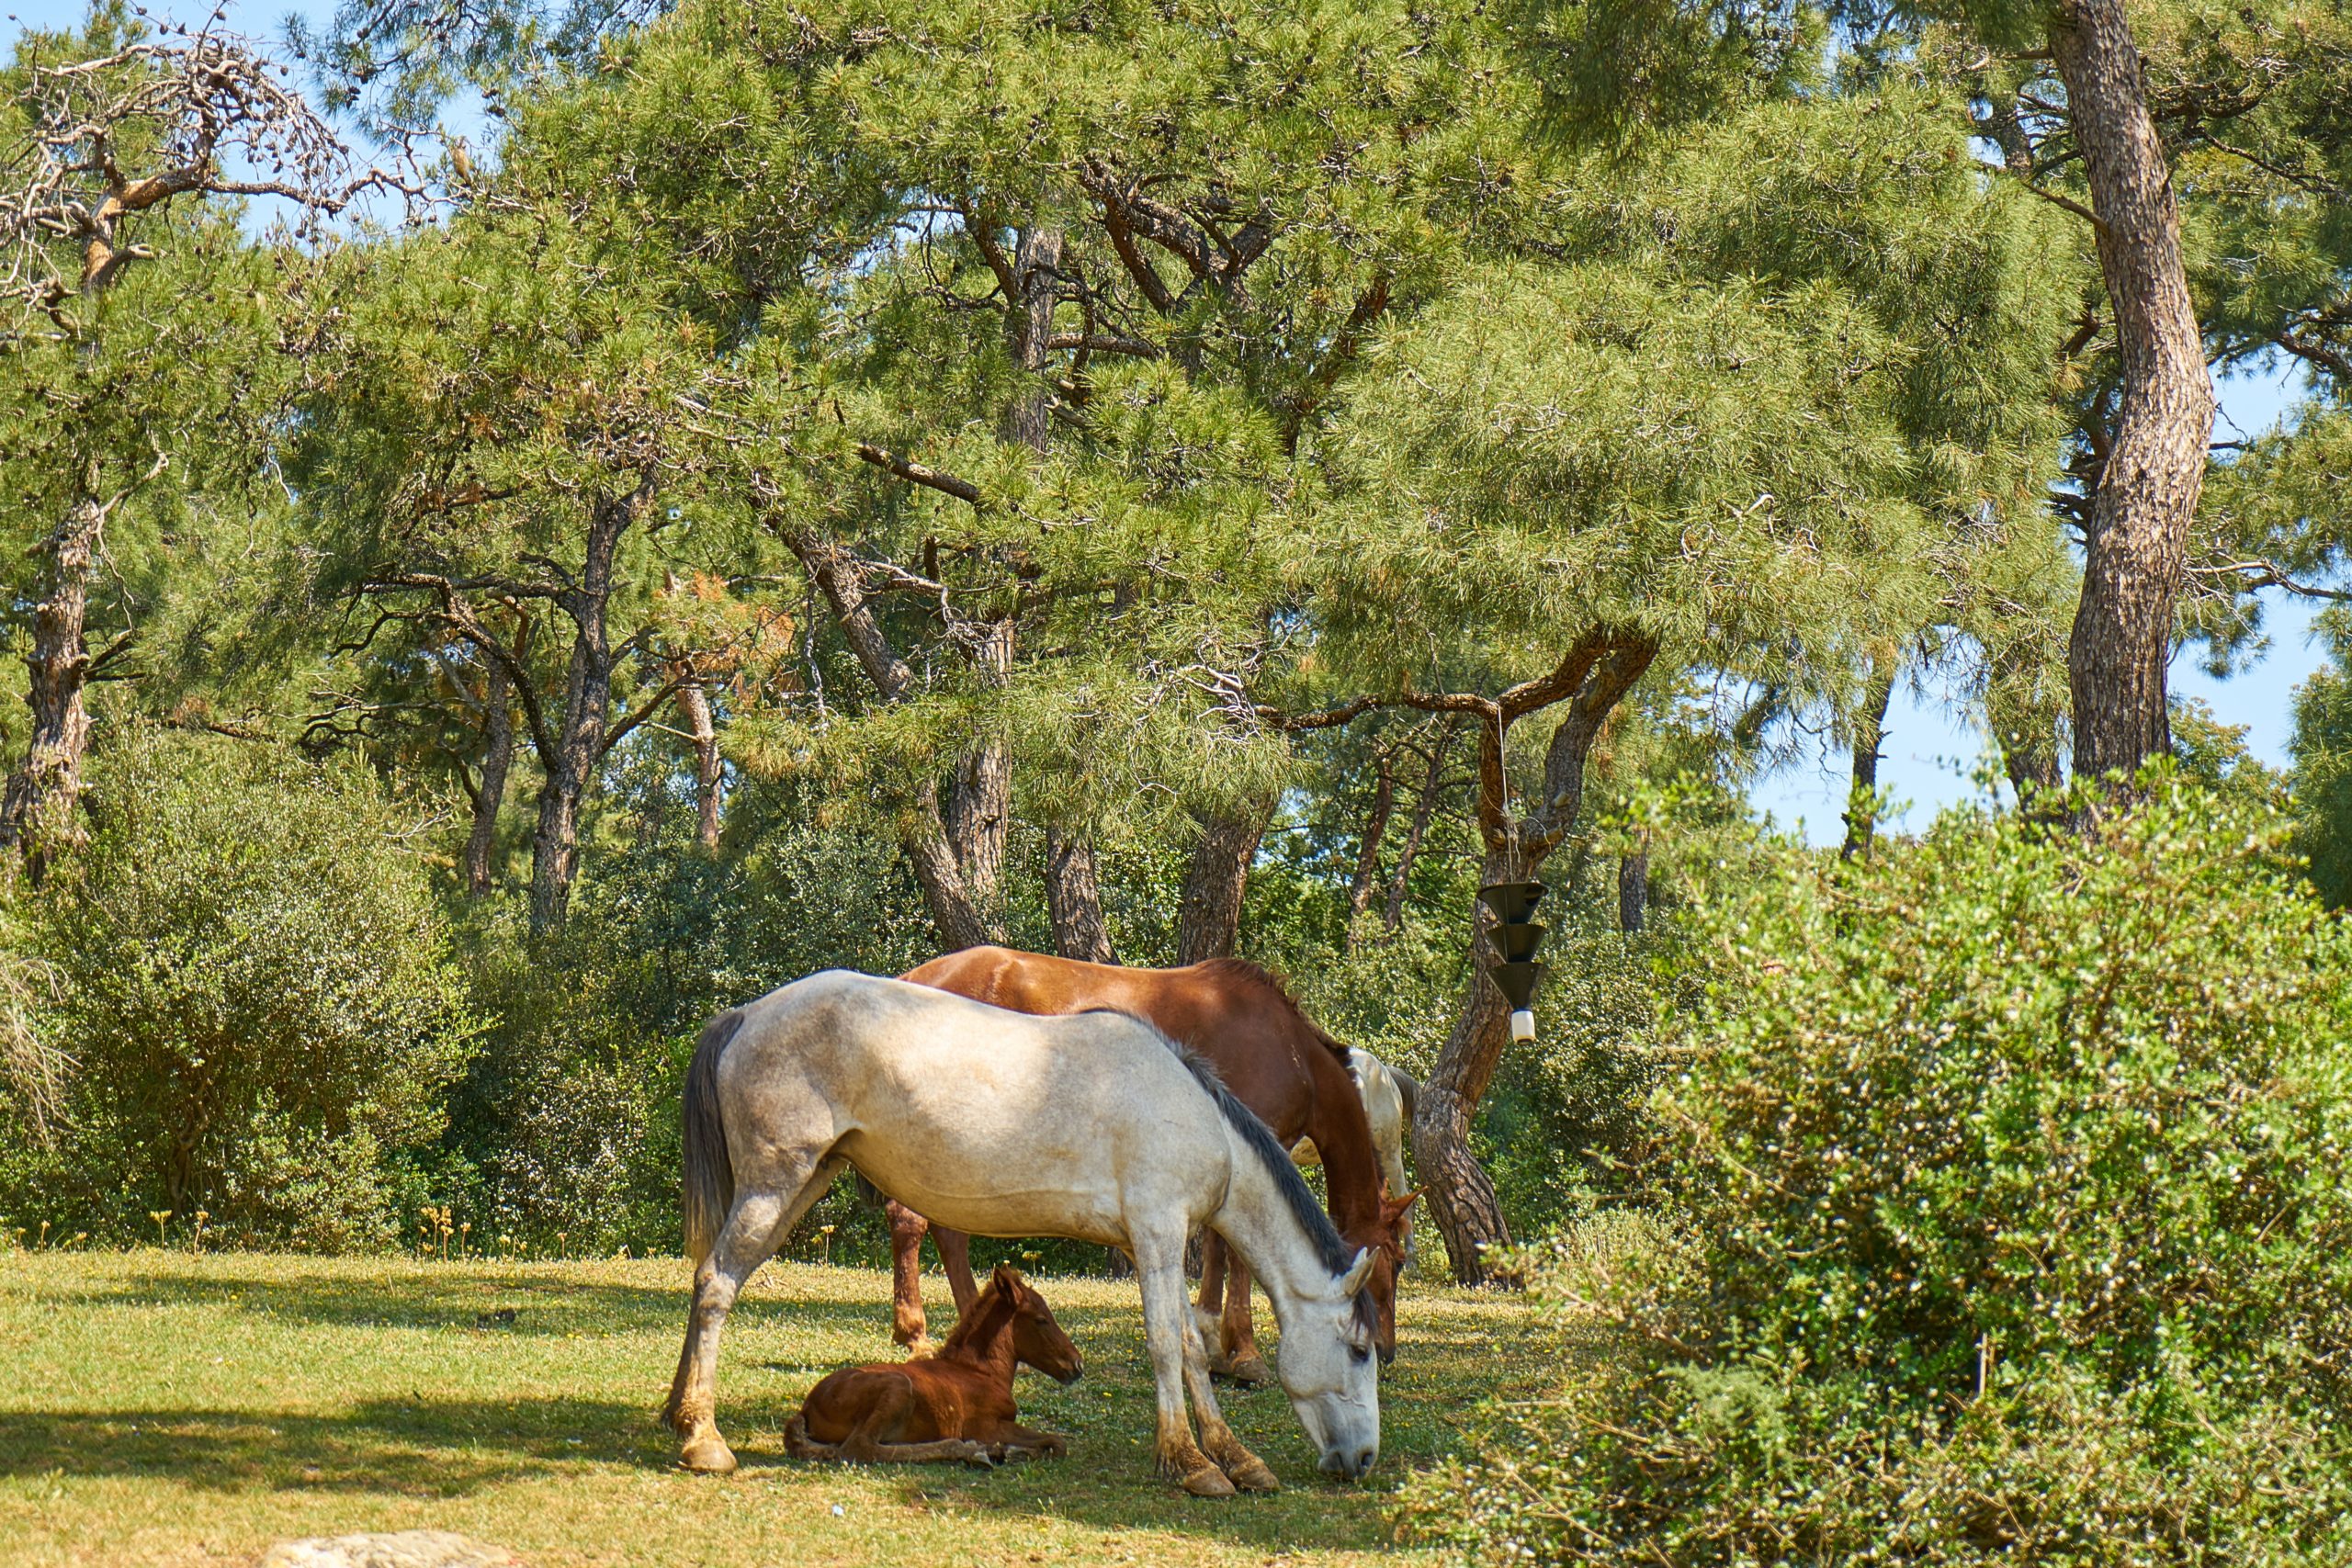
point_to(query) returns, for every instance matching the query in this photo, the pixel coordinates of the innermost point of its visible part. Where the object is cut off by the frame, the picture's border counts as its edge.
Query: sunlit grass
(157, 1407)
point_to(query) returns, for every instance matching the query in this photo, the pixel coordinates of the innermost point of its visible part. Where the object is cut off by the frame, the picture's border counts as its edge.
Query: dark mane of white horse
(1264, 1144)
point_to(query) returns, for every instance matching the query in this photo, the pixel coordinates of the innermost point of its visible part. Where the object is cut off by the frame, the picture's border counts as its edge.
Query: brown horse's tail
(709, 1173)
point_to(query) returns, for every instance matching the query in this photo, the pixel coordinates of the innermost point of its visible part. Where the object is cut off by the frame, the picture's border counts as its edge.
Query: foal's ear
(1358, 1272)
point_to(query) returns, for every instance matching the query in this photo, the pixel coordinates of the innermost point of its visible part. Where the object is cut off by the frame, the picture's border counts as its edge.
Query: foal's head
(1011, 1305)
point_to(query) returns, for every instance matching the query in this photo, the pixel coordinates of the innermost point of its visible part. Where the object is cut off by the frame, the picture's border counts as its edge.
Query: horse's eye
(1359, 1354)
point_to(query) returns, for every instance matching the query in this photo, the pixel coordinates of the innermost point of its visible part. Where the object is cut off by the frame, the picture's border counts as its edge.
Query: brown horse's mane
(991, 1310)
(1259, 974)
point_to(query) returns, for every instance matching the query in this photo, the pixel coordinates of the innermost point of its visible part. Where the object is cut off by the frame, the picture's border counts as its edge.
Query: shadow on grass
(518, 1303)
(417, 1448)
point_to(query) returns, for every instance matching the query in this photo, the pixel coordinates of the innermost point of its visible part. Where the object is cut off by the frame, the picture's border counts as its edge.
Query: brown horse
(954, 1405)
(1274, 1058)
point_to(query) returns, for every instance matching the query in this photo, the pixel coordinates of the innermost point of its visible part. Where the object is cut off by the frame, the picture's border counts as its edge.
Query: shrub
(2008, 1226)
(253, 980)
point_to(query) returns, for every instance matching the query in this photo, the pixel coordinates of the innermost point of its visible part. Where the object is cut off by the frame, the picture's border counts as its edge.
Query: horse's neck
(1257, 1222)
(1342, 1135)
(988, 1346)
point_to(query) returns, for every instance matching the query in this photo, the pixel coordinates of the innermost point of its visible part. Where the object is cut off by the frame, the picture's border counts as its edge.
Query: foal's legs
(1169, 1335)
(749, 1238)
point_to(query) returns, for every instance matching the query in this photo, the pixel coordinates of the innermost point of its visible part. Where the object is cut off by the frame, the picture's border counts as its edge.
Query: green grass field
(158, 1407)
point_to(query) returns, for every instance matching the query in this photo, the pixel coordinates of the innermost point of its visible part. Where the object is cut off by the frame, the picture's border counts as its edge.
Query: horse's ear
(1397, 1208)
(1358, 1272)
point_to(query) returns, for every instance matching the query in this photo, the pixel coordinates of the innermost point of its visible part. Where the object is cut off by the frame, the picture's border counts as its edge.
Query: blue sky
(1933, 744)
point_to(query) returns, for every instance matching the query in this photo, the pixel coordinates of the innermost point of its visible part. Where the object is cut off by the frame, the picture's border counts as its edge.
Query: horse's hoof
(1208, 1482)
(1250, 1372)
(708, 1456)
(1250, 1473)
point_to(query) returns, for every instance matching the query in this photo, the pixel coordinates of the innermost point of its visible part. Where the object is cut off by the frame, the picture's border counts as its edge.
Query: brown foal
(955, 1405)
(1290, 1074)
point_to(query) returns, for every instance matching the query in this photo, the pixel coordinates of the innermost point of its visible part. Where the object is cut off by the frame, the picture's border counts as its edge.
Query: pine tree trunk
(954, 914)
(979, 813)
(587, 709)
(1462, 1201)
(2148, 486)
(1375, 827)
(1074, 899)
(693, 705)
(37, 811)
(1869, 738)
(924, 837)
(489, 790)
(1634, 888)
(1423, 809)
(1209, 914)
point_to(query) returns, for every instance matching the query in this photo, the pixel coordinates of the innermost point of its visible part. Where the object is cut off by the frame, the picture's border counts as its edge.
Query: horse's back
(980, 1118)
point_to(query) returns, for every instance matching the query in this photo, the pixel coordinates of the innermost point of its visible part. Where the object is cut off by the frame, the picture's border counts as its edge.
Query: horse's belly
(995, 1199)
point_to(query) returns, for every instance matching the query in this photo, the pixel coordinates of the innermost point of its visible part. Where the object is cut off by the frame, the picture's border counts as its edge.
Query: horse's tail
(1408, 1088)
(709, 1173)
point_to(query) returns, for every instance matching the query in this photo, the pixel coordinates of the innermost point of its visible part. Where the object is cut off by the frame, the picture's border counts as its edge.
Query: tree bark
(1869, 738)
(693, 705)
(1209, 914)
(979, 813)
(37, 813)
(923, 836)
(1074, 899)
(1375, 829)
(2137, 533)
(580, 738)
(1423, 809)
(1633, 886)
(489, 790)
(1595, 676)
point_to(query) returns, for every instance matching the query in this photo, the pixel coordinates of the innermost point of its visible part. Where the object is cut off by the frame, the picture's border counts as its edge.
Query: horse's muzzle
(1077, 1370)
(1349, 1467)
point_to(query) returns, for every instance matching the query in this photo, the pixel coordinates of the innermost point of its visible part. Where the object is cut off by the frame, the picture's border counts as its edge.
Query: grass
(159, 1407)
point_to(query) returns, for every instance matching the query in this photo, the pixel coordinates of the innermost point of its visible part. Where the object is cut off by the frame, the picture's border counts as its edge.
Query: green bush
(253, 979)
(2007, 1225)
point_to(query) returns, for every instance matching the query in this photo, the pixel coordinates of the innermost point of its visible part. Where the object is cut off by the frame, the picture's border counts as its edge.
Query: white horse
(1095, 1127)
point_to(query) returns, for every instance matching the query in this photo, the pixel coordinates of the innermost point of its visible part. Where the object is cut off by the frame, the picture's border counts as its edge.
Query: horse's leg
(907, 1323)
(1167, 1327)
(748, 1239)
(1246, 1469)
(955, 1258)
(1212, 1305)
(1238, 1334)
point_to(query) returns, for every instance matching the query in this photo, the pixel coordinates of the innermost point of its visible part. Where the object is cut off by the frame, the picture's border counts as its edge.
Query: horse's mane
(1261, 1142)
(989, 1308)
(1258, 975)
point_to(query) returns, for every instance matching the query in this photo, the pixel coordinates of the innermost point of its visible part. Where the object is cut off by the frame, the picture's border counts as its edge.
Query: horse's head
(1037, 1340)
(1325, 1366)
(1384, 1237)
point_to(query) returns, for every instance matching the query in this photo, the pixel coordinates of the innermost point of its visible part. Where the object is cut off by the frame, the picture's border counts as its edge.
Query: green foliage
(2009, 1225)
(254, 983)
(2321, 747)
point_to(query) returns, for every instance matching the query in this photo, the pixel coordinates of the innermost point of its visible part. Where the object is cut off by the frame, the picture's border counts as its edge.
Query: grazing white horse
(1094, 1126)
